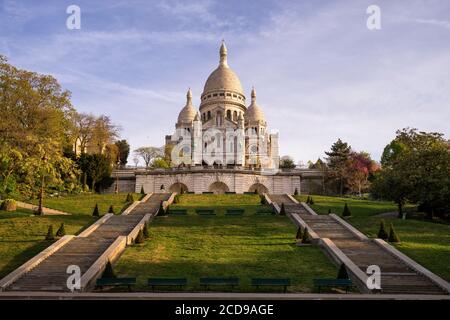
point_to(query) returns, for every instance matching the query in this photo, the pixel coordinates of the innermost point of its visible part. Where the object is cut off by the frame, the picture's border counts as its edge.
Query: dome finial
(253, 95)
(223, 54)
(189, 96)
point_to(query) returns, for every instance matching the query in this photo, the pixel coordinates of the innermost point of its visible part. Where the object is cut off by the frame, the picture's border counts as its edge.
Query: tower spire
(223, 54)
(253, 95)
(189, 97)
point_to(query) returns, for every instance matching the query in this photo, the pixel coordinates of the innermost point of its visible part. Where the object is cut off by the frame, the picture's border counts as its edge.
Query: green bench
(248, 192)
(234, 212)
(230, 192)
(207, 282)
(272, 282)
(208, 192)
(205, 212)
(190, 192)
(332, 283)
(178, 212)
(166, 282)
(116, 282)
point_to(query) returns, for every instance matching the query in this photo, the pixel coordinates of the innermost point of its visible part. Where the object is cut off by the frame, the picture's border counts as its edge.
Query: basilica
(224, 131)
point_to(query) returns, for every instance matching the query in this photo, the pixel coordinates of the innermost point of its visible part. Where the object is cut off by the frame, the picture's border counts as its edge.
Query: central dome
(223, 78)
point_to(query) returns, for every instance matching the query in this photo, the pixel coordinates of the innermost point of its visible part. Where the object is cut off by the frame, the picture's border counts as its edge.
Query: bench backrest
(205, 211)
(272, 281)
(235, 211)
(220, 281)
(179, 212)
(208, 192)
(166, 281)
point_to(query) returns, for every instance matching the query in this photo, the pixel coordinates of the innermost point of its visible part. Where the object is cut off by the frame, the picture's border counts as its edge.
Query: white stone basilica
(224, 131)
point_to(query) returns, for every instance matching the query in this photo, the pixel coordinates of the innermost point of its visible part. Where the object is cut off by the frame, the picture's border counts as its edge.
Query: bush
(346, 212)
(111, 209)
(299, 234)
(311, 201)
(382, 234)
(296, 192)
(256, 191)
(140, 237)
(142, 190)
(130, 198)
(50, 235)
(108, 273)
(329, 211)
(393, 235)
(308, 199)
(305, 237)
(9, 205)
(263, 200)
(61, 232)
(282, 209)
(96, 212)
(161, 211)
(342, 274)
(176, 199)
(145, 231)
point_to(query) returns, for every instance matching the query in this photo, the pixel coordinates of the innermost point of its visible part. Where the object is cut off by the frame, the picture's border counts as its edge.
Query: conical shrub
(329, 211)
(346, 212)
(130, 198)
(305, 236)
(296, 192)
(263, 200)
(142, 190)
(382, 234)
(393, 237)
(50, 235)
(111, 209)
(308, 199)
(140, 237)
(61, 232)
(299, 234)
(96, 212)
(311, 200)
(108, 273)
(145, 231)
(342, 274)
(282, 209)
(256, 191)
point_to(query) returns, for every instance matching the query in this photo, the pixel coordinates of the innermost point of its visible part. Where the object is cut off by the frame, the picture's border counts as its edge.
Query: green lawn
(426, 242)
(22, 235)
(85, 203)
(222, 246)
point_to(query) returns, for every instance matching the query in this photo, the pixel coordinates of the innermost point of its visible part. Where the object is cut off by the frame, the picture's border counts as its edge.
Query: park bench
(166, 282)
(208, 192)
(234, 212)
(230, 192)
(207, 282)
(205, 212)
(178, 212)
(343, 283)
(190, 192)
(248, 192)
(116, 282)
(272, 282)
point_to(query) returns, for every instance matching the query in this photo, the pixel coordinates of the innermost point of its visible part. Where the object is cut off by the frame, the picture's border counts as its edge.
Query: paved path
(50, 275)
(396, 276)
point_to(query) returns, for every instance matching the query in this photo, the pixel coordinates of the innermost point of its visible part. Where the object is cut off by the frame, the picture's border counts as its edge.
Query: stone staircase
(396, 276)
(50, 274)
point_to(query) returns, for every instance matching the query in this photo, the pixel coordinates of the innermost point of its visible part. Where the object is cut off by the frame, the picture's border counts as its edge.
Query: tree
(337, 162)
(393, 235)
(97, 168)
(342, 274)
(108, 273)
(382, 234)
(286, 162)
(61, 232)
(346, 212)
(282, 209)
(299, 234)
(129, 198)
(148, 154)
(50, 235)
(305, 236)
(111, 209)
(142, 190)
(296, 192)
(360, 168)
(159, 163)
(96, 212)
(124, 151)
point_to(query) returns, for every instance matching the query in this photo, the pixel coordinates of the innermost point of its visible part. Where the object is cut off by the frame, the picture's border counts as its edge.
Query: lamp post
(40, 210)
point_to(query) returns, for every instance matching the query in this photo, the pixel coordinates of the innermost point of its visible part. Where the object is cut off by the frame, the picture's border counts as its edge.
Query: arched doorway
(179, 188)
(260, 188)
(218, 188)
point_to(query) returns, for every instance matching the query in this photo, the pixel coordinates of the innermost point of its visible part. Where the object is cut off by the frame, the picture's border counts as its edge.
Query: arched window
(235, 116)
(209, 115)
(229, 114)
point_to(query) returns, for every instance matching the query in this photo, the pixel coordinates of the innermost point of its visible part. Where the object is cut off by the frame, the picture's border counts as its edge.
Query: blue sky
(319, 73)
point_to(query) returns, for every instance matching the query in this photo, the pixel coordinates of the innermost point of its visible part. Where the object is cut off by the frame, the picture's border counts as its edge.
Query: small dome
(223, 78)
(254, 112)
(188, 113)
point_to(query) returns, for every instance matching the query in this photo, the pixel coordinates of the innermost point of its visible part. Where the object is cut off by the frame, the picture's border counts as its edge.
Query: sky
(320, 74)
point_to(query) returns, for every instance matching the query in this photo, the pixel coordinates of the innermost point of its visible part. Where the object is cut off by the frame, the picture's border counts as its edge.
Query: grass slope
(223, 246)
